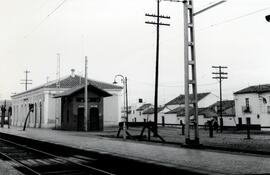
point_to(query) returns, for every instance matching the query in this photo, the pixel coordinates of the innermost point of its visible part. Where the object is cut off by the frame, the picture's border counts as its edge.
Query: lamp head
(267, 18)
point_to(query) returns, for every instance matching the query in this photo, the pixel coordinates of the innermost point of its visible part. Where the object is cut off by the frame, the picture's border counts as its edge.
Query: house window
(246, 108)
(247, 102)
(268, 109)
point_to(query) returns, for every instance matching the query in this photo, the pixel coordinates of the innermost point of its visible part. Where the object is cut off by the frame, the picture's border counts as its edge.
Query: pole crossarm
(220, 77)
(160, 16)
(162, 24)
(219, 67)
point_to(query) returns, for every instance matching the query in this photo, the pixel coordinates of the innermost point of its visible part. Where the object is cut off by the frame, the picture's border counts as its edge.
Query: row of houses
(251, 103)
(60, 104)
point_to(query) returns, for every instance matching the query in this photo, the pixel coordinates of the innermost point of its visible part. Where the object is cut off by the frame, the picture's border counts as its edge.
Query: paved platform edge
(185, 168)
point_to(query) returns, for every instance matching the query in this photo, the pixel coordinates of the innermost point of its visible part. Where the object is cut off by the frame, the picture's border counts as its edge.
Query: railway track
(32, 157)
(37, 162)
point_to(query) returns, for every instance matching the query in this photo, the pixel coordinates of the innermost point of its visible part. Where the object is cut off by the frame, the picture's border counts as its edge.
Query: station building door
(80, 119)
(94, 119)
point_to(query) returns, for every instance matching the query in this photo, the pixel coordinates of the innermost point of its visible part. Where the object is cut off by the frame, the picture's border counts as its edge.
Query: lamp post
(124, 81)
(267, 17)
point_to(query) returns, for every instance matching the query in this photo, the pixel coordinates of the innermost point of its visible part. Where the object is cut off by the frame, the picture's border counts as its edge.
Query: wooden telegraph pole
(220, 75)
(157, 23)
(85, 97)
(26, 81)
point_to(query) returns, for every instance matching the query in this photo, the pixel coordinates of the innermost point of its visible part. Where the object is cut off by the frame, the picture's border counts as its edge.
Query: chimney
(72, 73)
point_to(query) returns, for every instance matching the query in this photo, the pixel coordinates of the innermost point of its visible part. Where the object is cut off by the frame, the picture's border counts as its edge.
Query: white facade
(47, 110)
(170, 118)
(259, 105)
(111, 109)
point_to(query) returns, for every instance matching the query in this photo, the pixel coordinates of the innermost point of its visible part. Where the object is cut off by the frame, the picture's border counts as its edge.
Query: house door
(94, 119)
(163, 121)
(240, 121)
(35, 108)
(80, 119)
(40, 114)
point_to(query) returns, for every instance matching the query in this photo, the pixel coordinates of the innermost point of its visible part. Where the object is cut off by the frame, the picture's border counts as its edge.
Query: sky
(116, 40)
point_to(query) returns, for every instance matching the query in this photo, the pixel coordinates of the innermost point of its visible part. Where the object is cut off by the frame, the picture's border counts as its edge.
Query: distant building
(148, 114)
(204, 115)
(7, 105)
(47, 109)
(228, 112)
(139, 116)
(171, 109)
(253, 103)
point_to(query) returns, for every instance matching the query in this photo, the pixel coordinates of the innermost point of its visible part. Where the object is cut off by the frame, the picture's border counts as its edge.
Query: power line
(169, 86)
(43, 20)
(235, 18)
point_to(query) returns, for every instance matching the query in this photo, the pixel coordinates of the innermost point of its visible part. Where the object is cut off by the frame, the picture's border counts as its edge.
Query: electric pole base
(192, 143)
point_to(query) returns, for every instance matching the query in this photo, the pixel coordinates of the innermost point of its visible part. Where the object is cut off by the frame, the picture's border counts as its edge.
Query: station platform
(204, 161)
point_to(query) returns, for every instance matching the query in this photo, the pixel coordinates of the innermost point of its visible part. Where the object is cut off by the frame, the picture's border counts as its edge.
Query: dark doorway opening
(80, 120)
(94, 120)
(240, 121)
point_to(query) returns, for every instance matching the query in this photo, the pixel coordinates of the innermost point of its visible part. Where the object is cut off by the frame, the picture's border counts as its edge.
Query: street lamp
(124, 81)
(267, 18)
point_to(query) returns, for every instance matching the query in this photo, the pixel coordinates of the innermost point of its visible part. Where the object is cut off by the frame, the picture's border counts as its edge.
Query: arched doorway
(94, 119)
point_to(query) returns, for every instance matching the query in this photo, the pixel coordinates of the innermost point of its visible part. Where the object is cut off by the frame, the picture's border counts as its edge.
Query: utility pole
(85, 97)
(58, 71)
(26, 81)
(126, 99)
(190, 73)
(157, 23)
(57, 86)
(220, 75)
(190, 68)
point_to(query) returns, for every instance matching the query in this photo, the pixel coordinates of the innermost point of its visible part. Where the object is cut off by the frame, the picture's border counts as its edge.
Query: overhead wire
(235, 18)
(46, 18)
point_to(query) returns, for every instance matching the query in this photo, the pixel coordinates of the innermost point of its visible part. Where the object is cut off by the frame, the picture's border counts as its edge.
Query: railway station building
(72, 107)
(48, 109)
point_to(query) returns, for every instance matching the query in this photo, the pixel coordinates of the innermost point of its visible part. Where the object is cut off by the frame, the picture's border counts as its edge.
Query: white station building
(47, 109)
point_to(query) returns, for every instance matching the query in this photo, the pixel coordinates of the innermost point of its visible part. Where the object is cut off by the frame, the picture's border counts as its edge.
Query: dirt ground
(232, 139)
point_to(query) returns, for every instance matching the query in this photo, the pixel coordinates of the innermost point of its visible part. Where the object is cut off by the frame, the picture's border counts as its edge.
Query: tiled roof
(207, 112)
(225, 104)
(255, 89)
(90, 87)
(176, 110)
(181, 98)
(151, 110)
(144, 106)
(71, 82)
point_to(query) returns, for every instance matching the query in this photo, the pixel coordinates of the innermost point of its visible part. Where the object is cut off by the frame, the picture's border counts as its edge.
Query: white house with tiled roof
(47, 109)
(170, 109)
(253, 103)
